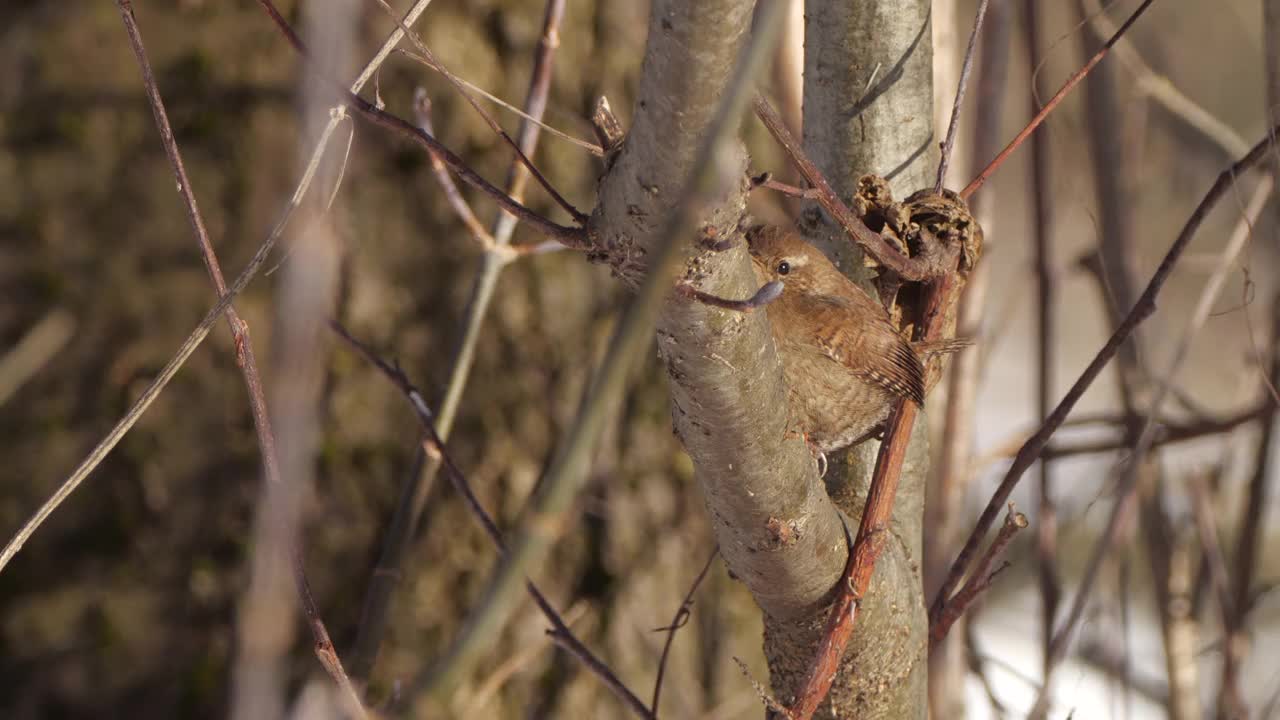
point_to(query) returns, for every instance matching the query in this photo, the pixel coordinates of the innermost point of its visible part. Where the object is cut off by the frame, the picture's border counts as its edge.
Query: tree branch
(1143, 309)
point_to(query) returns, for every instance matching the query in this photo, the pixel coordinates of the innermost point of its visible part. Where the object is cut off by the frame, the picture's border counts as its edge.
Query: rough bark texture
(777, 528)
(868, 99)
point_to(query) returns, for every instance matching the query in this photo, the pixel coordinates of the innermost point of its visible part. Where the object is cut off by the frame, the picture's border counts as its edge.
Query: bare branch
(521, 156)
(433, 444)
(245, 356)
(524, 115)
(980, 579)
(954, 124)
(422, 111)
(1066, 88)
(1127, 484)
(1143, 309)
(679, 621)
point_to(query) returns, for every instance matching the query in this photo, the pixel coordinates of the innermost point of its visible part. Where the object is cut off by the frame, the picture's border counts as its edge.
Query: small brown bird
(845, 362)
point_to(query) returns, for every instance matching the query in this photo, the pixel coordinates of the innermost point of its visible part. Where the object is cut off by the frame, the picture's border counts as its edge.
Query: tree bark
(778, 526)
(868, 108)
(778, 531)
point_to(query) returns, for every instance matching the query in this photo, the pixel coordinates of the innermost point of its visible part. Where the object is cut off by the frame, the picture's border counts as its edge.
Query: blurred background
(125, 603)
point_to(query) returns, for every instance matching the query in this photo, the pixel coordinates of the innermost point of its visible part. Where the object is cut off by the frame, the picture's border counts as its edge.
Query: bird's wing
(865, 341)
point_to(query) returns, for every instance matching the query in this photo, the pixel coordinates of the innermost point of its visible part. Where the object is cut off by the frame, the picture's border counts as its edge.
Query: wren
(844, 361)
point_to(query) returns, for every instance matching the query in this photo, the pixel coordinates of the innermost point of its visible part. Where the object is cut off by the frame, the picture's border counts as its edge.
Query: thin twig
(524, 115)
(1143, 309)
(770, 702)
(1207, 528)
(512, 666)
(1046, 342)
(1249, 542)
(521, 156)
(920, 268)
(954, 124)
(980, 579)
(434, 446)
(422, 113)
(767, 181)
(1169, 433)
(1067, 87)
(677, 622)
(1162, 90)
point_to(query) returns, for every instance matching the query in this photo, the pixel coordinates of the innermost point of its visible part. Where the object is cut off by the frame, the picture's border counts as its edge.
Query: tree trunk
(868, 109)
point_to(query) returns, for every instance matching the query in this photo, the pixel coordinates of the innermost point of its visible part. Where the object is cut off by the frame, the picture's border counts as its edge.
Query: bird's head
(780, 254)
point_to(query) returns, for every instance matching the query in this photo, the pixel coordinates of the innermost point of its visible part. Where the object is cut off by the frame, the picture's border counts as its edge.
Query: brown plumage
(845, 363)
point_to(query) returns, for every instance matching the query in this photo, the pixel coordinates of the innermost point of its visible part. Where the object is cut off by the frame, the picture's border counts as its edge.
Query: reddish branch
(1067, 87)
(873, 529)
(918, 269)
(873, 532)
(980, 579)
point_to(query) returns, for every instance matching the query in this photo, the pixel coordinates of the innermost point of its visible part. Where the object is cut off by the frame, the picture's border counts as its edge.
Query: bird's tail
(927, 348)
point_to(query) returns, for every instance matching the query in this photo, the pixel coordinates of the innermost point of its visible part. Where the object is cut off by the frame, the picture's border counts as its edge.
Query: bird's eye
(784, 267)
